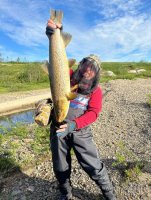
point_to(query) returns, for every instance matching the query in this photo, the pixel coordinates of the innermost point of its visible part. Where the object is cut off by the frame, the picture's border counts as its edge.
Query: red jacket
(93, 110)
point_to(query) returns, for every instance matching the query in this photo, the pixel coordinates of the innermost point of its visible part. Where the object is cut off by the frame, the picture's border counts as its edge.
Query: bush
(32, 75)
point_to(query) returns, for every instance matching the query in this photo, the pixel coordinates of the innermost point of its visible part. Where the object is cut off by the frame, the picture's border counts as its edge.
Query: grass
(21, 77)
(120, 69)
(133, 171)
(23, 146)
(129, 166)
(30, 76)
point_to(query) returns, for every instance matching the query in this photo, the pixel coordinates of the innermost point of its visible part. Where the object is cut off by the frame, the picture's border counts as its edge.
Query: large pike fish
(58, 69)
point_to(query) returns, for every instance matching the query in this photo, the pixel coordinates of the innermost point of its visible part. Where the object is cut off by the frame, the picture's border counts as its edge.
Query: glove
(71, 126)
(49, 31)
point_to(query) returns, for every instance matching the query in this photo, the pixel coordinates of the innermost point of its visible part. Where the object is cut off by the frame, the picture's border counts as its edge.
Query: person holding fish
(75, 131)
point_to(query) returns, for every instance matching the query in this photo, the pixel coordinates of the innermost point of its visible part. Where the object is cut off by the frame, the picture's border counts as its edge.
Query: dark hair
(77, 76)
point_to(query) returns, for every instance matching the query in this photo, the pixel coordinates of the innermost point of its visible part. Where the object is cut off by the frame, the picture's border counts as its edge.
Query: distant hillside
(18, 76)
(22, 76)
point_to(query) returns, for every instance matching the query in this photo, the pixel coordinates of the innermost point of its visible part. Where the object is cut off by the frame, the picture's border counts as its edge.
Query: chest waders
(85, 150)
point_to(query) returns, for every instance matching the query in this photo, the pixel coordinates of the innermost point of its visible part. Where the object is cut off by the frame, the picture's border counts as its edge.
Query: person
(76, 132)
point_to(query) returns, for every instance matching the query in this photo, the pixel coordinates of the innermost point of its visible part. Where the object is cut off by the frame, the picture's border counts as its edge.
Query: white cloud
(122, 32)
(121, 37)
(22, 21)
(116, 8)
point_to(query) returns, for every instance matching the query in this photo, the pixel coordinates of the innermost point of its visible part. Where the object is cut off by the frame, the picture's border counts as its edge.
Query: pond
(26, 117)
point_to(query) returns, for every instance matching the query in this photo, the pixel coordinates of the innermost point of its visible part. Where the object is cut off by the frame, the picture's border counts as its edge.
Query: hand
(51, 26)
(65, 129)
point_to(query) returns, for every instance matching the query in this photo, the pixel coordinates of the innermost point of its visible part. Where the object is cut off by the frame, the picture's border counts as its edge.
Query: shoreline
(11, 103)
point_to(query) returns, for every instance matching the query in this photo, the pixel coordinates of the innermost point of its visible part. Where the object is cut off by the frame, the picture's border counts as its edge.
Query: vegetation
(26, 145)
(120, 69)
(127, 163)
(20, 76)
(23, 146)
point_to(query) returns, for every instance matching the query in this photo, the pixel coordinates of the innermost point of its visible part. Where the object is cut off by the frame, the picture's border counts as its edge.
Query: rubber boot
(102, 180)
(65, 190)
(109, 195)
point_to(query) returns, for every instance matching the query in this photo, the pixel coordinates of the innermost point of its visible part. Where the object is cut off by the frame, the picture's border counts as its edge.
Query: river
(26, 117)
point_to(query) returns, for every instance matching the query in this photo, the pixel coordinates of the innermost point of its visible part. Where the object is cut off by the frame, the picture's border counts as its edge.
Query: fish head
(62, 107)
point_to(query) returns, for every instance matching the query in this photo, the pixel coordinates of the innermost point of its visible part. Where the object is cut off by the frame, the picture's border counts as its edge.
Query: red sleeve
(94, 108)
(71, 72)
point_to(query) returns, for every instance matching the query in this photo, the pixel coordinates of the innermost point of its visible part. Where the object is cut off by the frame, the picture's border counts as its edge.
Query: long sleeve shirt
(93, 109)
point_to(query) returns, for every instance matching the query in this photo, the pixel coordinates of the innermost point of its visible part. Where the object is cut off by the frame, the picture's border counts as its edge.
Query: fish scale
(58, 69)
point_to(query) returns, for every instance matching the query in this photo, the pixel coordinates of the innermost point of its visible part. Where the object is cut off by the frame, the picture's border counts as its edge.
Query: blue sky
(116, 30)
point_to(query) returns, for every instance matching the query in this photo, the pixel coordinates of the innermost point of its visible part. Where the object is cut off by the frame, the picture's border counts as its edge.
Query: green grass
(22, 76)
(133, 171)
(128, 163)
(30, 76)
(23, 146)
(120, 69)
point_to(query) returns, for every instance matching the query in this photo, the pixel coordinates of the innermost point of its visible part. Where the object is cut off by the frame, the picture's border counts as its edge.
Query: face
(86, 70)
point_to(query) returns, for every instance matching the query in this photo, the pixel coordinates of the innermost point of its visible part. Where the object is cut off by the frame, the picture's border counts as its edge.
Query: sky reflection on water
(26, 117)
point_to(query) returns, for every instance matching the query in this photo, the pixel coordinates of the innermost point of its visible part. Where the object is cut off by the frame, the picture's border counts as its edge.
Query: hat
(95, 59)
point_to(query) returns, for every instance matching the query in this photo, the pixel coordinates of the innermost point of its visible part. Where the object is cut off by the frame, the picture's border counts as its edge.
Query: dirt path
(124, 127)
(19, 101)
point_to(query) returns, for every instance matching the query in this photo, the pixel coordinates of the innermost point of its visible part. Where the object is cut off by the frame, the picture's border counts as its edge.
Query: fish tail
(52, 14)
(57, 16)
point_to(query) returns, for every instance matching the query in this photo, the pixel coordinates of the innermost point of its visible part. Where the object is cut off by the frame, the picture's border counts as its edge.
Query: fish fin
(74, 87)
(71, 62)
(71, 96)
(59, 16)
(56, 16)
(45, 67)
(66, 38)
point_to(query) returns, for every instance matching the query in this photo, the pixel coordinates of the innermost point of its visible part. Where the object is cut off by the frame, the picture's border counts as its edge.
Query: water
(7, 122)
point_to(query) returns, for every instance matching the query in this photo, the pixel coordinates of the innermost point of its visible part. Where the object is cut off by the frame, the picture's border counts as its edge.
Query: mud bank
(21, 101)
